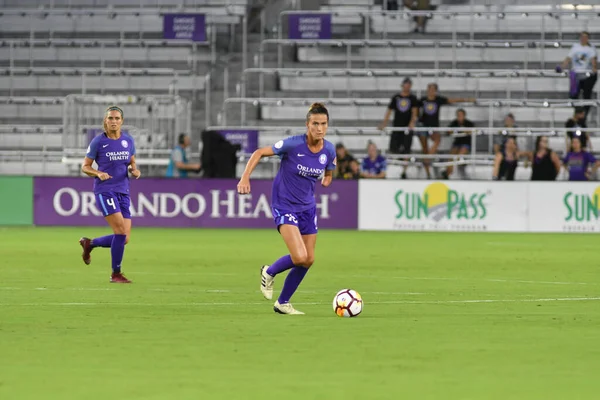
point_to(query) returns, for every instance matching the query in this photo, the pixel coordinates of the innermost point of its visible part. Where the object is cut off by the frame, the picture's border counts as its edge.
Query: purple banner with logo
(211, 203)
(184, 27)
(248, 139)
(309, 26)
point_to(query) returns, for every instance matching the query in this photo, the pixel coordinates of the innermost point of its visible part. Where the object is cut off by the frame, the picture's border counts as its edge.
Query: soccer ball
(347, 303)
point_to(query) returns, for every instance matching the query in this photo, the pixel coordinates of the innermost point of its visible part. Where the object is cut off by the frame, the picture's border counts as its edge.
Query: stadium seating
(479, 20)
(124, 3)
(66, 80)
(480, 84)
(518, 54)
(102, 53)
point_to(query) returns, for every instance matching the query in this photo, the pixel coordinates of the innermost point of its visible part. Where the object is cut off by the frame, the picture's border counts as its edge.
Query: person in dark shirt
(505, 163)
(578, 161)
(577, 123)
(545, 164)
(405, 106)
(430, 118)
(344, 159)
(462, 141)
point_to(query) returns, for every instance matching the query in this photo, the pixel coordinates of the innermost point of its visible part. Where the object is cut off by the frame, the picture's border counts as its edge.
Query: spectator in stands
(419, 5)
(430, 118)
(462, 140)
(344, 161)
(584, 68)
(506, 133)
(353, 171)
(374, 164)
(577, 123)
(405, 106)
(578, 161)
(545, 164)
(179, 166)
(506, 160)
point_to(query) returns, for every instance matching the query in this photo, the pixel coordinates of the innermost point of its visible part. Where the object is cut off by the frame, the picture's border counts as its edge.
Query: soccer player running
(430, 118)
(304, 159)
(114, 152)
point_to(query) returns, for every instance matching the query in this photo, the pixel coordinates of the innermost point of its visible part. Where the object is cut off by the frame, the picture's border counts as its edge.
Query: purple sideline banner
(247, 138)
(209, 203)
(184, 27)
(309, 26)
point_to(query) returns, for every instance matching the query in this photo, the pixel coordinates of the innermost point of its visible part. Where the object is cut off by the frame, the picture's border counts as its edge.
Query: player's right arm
(86, 167)
(244, 184)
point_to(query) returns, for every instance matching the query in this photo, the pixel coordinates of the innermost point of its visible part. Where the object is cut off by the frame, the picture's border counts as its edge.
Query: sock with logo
(103, 241)
(292, 281)
(117, 249)
(283, 264)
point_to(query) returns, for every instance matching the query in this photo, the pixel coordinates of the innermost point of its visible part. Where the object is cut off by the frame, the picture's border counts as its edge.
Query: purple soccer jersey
(578, 164)
(294, 185)
(113, 157)
(374, 167)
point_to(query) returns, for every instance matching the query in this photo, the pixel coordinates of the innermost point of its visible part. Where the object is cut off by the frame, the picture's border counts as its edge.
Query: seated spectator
(504, 134)
(462, 141)
(545, 164)
(505, 163)
(344, 158)
(179, 166)
(577, 162)
(577, 122)
(353, 171)
(374, 165)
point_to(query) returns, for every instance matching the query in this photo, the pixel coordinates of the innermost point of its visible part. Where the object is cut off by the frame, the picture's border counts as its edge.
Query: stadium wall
(479, 206)
(16, 200)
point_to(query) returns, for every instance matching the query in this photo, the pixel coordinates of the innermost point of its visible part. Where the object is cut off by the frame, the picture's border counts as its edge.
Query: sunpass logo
(581, 207)
(439, 202)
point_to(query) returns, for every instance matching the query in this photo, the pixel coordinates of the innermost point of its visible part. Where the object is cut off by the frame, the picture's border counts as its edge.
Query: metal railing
(435, 45)
(349, 73)
(101, 44)
(491, 104)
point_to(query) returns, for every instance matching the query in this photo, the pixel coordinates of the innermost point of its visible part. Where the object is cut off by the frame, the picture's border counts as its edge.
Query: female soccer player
(304, 159)
(114, 152)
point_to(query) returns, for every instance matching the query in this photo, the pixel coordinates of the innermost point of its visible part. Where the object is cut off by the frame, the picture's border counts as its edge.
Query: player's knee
(310, 260)
(300, 259)
(119, 230)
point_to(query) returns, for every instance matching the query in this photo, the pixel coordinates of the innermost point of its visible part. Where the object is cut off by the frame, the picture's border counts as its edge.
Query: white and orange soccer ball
(347, 303)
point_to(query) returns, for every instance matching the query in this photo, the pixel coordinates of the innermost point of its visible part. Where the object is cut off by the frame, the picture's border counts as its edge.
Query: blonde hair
(317, 108)
(109, 109)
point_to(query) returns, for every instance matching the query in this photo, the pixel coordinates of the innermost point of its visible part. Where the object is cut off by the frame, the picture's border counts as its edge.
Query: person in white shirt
(584, 68)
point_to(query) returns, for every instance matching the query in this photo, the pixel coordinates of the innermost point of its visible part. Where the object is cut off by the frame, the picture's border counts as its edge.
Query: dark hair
(317, 108)
(435, 85)
(586, 33)
(510, 115)
(537, 143)
(407, 80)
(181, 138)
(579, 110)
(462, 110)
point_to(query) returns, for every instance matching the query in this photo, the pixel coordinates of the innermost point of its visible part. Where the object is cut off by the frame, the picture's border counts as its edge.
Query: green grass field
(446, 316)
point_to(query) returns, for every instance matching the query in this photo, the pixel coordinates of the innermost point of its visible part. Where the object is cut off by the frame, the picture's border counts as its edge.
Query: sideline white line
(237, 304)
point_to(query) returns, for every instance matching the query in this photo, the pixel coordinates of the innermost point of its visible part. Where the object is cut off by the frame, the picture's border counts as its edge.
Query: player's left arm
(331, 166)
(595, 62)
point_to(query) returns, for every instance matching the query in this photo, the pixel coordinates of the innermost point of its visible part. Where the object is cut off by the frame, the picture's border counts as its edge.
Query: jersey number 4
(111, 202)
(292, 218)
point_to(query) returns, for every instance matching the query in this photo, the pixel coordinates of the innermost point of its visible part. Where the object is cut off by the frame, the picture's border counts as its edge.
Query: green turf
(194, 325)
